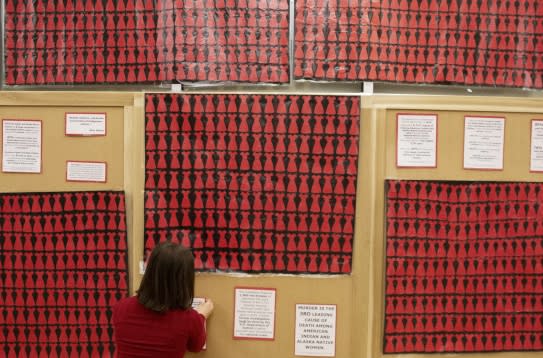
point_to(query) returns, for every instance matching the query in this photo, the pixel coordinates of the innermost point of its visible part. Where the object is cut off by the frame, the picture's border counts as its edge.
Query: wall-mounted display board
(63, 264)
(123, 149)
(126, 42)
(58, 147)
(485, 43)
(451, 253)
(137, 136)
(205, 118)
(463, 266)
(64, 245)
(253, 183)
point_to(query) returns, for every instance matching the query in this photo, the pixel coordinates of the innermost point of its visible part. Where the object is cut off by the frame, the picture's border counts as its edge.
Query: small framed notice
(21, 146)
(536, 146)
(416, 140)
(315, 330)
(86, 171)
(197, 301)
(85, 124)
(483, 142)
(254, 313)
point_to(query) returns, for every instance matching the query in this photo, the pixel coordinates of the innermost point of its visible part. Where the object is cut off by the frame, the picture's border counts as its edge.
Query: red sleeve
(197, 335)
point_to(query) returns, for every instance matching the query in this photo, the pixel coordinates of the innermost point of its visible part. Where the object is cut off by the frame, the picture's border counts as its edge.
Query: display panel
(126, 42)
(463, 267)
(253, 183)
(489, 43)
(63, 264)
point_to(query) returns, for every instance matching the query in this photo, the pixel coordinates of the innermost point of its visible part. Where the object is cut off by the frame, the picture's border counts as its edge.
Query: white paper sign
(254, 313)
(417, 140)
(86, 124)
(315, 330)
(536, 150)
(86, 171)
(483, 142)
(197, 301)
(21, 146)
(142, 267)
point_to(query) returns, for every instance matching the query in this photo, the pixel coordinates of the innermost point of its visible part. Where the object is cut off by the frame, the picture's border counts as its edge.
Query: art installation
(464, 267)
(485, 43)
(140, 41)
(63, 264)
(253, 183)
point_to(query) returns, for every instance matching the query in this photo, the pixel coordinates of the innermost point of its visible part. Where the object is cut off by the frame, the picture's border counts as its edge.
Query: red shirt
(141, 332)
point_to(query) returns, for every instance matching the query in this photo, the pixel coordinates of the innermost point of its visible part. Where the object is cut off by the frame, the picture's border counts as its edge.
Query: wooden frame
(359, 296)
(379, 158)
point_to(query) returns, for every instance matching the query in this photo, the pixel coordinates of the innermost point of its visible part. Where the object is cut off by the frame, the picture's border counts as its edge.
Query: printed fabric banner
(253, 183)
(63, 264)
(464, 267)
(465, 42)
(142, 41)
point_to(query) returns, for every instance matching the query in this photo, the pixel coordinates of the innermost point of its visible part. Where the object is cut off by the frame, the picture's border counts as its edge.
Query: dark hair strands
(168, 282)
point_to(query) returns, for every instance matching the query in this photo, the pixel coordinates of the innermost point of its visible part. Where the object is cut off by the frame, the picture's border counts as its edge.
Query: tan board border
(130, 107)
(361, 304)
(378, 149)
(220, 286)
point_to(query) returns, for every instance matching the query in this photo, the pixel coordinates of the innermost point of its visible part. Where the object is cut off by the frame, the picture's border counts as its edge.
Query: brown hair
(168, 282)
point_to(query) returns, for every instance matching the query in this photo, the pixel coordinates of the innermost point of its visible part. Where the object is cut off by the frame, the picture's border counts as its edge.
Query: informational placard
(21, 146)
(86, 171)
(86, 124)
(483, 142)
(254, 313)
(536, 147)
(197, 301)
(416, 140)
(315, 330)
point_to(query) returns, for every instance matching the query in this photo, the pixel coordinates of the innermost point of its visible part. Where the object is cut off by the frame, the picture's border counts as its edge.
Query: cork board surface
(57, 148)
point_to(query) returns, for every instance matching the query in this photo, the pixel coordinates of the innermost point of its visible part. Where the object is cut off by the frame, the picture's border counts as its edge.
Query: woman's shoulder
(126, 302)
(186, 312)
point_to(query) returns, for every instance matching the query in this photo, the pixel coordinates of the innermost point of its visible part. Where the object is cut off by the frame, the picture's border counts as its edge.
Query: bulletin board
(359, 295)
(58, 148)
(380, 115)
(123, 148)
(290, 289)
(63, 230)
